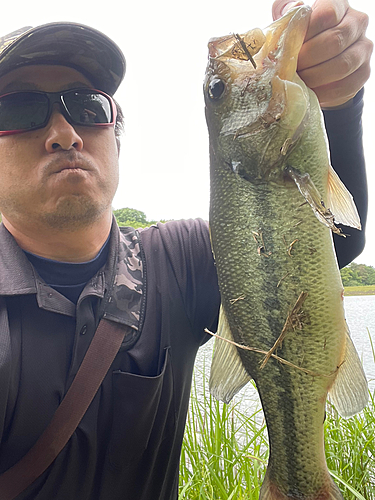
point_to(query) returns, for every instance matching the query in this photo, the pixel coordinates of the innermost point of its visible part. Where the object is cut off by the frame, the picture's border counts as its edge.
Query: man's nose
(61, 134)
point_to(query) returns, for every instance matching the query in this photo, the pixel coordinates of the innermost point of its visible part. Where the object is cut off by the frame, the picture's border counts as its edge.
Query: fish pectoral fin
(309, 191)
(341, 202)
(228, 374)
(349, 392)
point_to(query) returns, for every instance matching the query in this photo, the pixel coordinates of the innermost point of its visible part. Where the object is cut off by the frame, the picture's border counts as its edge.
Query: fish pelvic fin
(228, 375)
(349, 392)
(328, 491)
(341, 202)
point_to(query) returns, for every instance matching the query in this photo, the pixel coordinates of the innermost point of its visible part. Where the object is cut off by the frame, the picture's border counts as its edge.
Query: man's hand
(335, 58)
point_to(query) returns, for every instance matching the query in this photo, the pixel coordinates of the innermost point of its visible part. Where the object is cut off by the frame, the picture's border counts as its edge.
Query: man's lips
(71, 166)
(76, 168)
(68, 162)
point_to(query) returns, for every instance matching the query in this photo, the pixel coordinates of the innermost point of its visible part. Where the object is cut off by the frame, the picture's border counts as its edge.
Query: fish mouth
(278, 46)
(254, 95)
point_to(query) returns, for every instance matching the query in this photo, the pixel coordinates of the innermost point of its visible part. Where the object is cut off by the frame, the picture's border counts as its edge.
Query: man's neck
(80, 245)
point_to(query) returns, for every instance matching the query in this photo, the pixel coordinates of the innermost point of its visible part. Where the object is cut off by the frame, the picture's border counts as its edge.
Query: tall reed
(225, 451)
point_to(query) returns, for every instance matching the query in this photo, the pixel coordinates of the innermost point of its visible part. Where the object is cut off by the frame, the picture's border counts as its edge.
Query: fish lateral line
(278, 358)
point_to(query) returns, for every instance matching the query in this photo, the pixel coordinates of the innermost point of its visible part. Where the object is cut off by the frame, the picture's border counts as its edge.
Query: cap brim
(80, 47)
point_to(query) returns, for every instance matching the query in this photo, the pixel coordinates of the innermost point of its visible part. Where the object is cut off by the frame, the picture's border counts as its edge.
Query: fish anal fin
(349, 392)
(341, 202)
(228, 374)
(311, 194)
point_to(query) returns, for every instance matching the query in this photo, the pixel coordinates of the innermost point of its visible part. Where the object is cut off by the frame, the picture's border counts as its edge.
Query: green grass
(350, 451)
(225, 452)
(359, 290)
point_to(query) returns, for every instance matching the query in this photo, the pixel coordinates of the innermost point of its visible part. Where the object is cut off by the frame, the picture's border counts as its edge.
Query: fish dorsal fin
(341, 202)
(228, 374)
(349, 392)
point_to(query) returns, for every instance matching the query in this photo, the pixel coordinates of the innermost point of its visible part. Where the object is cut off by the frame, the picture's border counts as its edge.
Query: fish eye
(216, 88)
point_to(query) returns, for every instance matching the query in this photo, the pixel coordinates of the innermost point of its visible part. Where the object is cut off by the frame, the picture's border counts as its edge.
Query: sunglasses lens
(23, 111)
(88, 108)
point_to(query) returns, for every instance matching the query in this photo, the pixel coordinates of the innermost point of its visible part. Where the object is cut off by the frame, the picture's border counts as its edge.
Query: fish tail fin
(328, 491)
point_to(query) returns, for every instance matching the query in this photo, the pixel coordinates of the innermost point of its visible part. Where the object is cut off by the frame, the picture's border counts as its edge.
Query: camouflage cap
(80, 47)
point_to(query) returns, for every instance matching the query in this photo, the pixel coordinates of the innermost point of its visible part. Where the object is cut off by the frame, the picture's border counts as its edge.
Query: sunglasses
(30, 110)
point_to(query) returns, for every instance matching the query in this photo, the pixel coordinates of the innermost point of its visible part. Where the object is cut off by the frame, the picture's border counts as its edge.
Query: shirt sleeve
(187, 247)
(344, 130)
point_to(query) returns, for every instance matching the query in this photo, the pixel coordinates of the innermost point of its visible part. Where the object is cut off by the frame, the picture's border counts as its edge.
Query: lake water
(360, 316)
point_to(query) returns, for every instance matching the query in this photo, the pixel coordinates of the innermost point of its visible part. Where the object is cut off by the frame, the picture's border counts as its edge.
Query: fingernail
(289, 6)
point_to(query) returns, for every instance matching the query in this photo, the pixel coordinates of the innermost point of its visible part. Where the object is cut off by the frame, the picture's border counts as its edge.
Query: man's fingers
(334, 60)
(340, 67)
(335, 40)
(340, 92)
(326, 14)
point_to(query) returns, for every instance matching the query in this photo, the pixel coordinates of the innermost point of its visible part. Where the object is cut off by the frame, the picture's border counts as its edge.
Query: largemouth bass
(275, 201)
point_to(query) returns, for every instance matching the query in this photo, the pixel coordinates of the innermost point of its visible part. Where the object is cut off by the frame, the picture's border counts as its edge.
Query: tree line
(133, 218)
(358, 275)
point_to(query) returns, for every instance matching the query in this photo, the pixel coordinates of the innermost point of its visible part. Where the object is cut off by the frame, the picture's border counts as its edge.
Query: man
(64, 264)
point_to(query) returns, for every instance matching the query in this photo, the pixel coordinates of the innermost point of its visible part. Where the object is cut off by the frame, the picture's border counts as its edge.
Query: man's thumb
(280, 7)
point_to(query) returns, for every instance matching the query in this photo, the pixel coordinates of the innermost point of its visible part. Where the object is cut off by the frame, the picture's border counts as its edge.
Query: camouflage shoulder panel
(126, 303)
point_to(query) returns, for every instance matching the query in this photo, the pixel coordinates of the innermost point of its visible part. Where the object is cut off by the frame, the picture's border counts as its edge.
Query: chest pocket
(143, 416)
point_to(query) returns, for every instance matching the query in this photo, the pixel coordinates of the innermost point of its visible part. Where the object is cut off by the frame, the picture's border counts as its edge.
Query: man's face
(62, 176)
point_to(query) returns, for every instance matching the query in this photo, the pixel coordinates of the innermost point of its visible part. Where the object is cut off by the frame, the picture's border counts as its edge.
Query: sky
(164, 163)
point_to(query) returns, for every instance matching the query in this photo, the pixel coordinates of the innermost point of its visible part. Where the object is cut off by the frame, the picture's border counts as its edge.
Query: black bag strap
(99, 357)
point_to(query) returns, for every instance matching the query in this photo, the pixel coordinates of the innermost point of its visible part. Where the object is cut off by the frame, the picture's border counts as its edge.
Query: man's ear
(118, 143)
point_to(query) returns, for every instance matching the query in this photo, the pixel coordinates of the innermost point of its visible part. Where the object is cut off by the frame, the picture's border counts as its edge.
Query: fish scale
(280, 285)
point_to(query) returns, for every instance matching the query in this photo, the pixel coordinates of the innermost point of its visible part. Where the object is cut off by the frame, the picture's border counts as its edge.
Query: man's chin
(74, 214)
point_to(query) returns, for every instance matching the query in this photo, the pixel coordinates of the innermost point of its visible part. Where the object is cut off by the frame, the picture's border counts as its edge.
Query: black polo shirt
(128, 443)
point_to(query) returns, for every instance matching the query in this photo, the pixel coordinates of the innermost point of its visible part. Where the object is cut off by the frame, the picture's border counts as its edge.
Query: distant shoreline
(359, 290)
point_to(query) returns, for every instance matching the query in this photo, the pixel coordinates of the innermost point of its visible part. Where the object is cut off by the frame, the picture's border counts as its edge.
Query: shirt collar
(124, 301)
(124, 274)
(16, 273)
